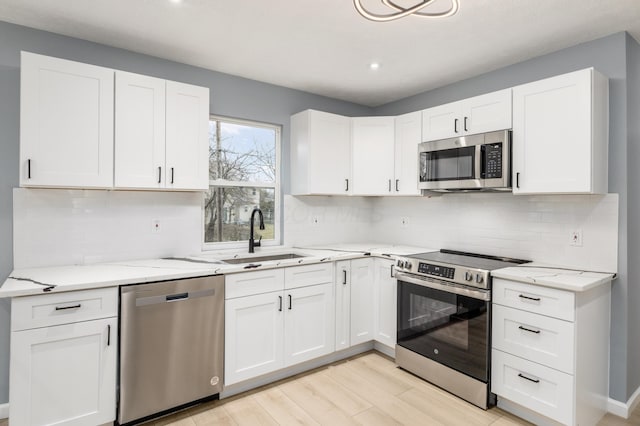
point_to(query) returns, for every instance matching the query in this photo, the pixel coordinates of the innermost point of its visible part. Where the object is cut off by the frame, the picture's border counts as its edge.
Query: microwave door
(443, 168)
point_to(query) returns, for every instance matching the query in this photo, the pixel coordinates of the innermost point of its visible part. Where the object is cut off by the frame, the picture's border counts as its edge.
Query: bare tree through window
(243, 175)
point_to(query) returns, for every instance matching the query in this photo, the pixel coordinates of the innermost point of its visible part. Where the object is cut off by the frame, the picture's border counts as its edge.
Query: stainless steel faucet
(253, 243)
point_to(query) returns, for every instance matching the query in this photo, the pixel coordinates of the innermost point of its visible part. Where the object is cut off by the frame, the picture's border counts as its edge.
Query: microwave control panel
(492, 161)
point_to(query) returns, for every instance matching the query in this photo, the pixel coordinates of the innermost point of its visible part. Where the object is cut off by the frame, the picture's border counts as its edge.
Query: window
(244, 173)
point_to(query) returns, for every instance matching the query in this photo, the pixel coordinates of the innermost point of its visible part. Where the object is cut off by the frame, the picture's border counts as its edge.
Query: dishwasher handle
(176, 297)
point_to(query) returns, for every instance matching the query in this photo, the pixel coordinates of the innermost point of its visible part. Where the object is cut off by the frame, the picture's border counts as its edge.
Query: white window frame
(220, 245)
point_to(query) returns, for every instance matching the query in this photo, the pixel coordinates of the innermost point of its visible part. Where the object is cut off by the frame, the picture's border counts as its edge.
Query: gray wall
(609, 56)
(230, 96)
(633, 114)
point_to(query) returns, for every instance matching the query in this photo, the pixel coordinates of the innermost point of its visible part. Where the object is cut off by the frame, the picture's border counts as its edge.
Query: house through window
(243, 174)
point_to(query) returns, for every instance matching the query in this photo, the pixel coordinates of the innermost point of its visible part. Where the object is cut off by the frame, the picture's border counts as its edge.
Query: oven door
(446, 323)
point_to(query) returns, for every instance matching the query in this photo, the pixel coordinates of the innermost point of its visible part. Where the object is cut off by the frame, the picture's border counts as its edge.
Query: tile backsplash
(65, 227)
(529, 227)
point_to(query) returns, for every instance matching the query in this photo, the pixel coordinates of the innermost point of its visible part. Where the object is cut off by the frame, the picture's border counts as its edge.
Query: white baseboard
(621, 409)
(4, 411)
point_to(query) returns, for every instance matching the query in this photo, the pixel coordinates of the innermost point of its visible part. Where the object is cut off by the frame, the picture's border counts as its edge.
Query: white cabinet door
(254, 330)
(64, 374)
(187, 136)
(309, 323)
(343, 304)
(487, 113)
(560, 134)
(139, 131)
(66, 123)
(320, 153)
(362, 301)
(442, 122)
(408, 129)
(372, 142)
(386, 302)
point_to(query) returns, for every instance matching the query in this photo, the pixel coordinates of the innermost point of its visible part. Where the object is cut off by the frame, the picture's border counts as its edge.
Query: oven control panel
(436, 271)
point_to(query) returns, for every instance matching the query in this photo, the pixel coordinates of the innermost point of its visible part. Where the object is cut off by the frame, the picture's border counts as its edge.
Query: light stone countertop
(554, 277)
(54, 279)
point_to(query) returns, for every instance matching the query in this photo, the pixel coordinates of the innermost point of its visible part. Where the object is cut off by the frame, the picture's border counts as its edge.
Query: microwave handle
(477, 172)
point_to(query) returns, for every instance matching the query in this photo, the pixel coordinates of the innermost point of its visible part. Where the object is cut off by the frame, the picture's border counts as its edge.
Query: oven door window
(448, 164)
(448, 328)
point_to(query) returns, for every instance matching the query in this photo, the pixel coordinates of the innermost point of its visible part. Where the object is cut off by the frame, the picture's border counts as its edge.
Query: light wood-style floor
(365, 390)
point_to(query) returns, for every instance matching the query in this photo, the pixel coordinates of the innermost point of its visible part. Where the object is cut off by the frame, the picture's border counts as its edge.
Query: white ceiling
(324, 46)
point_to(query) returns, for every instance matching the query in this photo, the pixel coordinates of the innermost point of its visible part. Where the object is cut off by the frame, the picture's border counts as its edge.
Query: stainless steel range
(444, 320)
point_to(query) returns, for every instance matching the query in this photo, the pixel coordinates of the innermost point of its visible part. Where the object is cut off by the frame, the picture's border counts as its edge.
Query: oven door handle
(449, 288)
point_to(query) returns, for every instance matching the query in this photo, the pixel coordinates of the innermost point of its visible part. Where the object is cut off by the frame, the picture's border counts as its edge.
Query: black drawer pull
(522, 376)
(280, 304)
(344, 277)
(109, 335)
(535, 299)
(289, 302)
(62, 308)
(529, 330)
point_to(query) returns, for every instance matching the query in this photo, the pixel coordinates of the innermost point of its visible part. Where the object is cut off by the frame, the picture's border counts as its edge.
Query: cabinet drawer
(63, 308)
(303, 276)
(548, 341)
(540, 300)
(539, 388)
(250, 283)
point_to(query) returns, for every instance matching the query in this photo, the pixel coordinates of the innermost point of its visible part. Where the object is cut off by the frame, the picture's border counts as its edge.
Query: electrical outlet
(155, 226)
(404, 221)
(576, 238)
(315, 221)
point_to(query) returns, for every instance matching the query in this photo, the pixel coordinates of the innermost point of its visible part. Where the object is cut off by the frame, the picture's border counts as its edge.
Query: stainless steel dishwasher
(171, 346)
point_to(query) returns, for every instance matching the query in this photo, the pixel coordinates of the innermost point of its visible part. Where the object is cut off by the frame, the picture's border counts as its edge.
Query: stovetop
(468, 269)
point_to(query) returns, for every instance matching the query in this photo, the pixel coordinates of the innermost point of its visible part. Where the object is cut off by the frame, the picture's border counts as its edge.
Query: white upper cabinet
(479, 114)
(66, 123)
(560, 134)
(320, 153)
(373, 150)
(408, 128)
(187, 144)
(139, 131)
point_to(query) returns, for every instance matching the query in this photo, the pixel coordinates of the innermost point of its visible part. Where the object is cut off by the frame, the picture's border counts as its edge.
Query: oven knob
(407, 265)
(400, 264)
(468, 276)
(479, 278)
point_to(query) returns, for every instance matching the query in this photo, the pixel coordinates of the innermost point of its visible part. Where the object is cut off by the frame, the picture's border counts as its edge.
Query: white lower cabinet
(268, 331)
(550, 352)
(254, 336)
(64, 373)
(343, 304)
(386, 303)
(362, 316)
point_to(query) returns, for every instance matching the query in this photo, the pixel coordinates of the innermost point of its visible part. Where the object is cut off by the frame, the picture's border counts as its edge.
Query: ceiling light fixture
(401, 12)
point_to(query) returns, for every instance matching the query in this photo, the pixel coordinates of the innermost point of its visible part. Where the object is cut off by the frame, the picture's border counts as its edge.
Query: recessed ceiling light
(176, 1)
(374, 66)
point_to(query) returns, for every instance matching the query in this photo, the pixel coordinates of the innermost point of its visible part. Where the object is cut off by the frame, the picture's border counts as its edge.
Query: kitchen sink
(255, 259)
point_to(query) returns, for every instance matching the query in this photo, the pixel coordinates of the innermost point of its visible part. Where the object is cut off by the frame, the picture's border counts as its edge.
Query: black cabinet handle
(465, 124)
(29, 168)
(289, 302)
(529, 330)
(391, 272)
(528, 378)
(172, 175)
(347, 185)
(535, 299)
(159, 174)
(518, 180)
(63, 308)
(280, 304)
(397, 184)
(344, 277)
(389, 185)
(455, 125)
(109, 335)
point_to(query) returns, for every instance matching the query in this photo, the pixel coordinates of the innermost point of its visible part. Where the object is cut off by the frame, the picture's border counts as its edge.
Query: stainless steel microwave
(474, 162)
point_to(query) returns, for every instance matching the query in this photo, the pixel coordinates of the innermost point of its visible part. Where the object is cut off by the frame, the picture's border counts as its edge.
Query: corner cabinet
(372, 147)
(320, 153)
(66, 123)
(84, 126)
(560, 135)
(484, 113)
(63, 358)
